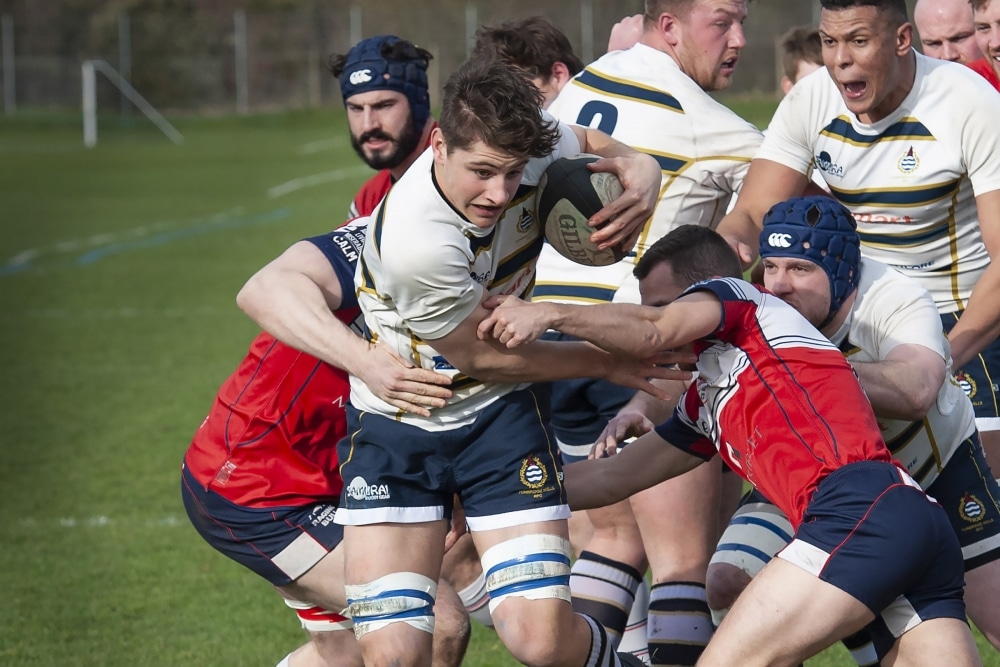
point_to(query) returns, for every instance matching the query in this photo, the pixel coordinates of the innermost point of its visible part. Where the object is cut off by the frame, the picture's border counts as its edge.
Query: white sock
(634, 640)
(475, 598)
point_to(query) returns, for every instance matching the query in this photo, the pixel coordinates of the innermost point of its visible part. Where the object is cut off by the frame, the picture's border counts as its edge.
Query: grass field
(118, 271)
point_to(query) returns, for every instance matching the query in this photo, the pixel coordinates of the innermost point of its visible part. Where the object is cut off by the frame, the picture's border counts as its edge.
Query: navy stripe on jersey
(906, 129)
(588, 78)
(511, 265)
(668, 163)
(478, 244)
(250, 382)
(342, 248)
(908, 240)
(579, 292)
(901, 197)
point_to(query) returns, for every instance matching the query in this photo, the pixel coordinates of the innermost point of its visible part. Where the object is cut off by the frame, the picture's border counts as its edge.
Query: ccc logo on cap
(361, 76)
(778, 240)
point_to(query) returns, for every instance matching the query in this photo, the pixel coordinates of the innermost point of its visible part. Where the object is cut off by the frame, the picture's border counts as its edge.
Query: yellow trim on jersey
(841, 129)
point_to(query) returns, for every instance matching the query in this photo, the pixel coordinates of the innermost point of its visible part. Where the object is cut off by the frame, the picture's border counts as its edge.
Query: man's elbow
(247, 299)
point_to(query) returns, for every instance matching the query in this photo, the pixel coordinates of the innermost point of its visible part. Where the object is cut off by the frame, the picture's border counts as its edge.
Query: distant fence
(225, 59)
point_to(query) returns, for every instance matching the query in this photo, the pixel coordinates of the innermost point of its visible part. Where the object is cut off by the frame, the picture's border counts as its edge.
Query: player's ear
(560, 75)
(669, 28)
(438, 145)
(904, 39)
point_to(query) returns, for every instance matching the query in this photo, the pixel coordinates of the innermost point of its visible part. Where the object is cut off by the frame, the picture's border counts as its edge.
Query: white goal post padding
(89, 72)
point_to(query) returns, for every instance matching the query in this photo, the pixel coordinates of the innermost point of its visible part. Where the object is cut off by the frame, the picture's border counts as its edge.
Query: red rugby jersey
(775, 398)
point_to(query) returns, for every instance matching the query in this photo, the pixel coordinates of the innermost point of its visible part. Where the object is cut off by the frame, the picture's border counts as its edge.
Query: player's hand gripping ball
(568, 195)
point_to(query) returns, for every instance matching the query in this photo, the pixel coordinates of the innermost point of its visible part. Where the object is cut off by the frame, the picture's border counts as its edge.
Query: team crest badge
(525, 222)
(966, 383)
(971, 509)
(909, 162)
(533, 473)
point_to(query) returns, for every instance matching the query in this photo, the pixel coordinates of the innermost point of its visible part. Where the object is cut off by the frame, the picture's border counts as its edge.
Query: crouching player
(784, 409)
(260, 480)
(888, 327)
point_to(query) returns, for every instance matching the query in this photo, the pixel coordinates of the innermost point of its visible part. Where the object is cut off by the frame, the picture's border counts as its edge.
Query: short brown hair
(494, 102)
(534, 44)
(694, 253)
(653, 9)
(801, 43)
(978, 5)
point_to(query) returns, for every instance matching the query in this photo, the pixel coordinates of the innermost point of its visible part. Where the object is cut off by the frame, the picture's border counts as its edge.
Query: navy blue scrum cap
(367, 69)
(821, 230)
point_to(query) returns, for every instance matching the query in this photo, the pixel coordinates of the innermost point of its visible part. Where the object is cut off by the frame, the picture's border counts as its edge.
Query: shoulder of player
(883, 292)
(953, 84)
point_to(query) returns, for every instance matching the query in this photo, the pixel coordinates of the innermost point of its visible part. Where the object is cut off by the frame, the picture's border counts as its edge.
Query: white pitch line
(321, 145)
(291, 186)
(102, 521)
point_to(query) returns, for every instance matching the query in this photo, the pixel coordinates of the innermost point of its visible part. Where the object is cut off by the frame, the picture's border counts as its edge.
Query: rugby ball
(568, 195)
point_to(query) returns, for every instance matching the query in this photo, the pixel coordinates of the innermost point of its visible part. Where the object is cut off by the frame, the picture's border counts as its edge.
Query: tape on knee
(401, 597)
(531, 566)
(318, 619)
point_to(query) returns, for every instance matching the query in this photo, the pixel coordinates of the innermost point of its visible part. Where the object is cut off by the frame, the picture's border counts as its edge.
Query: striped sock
(604, 590)
(602, 654)
(634, 640)
(680, 623)
(476, 600)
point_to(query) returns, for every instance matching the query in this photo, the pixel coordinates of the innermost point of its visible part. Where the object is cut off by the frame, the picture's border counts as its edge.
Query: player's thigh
(323, 584)
(461, 563)
(373, 551)
(785, 615)
(679, 522)
(940, 641)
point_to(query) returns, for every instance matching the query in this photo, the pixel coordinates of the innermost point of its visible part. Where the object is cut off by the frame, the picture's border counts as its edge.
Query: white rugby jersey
(891, 310)
(911, 178)
(642, 98)
(424, 270)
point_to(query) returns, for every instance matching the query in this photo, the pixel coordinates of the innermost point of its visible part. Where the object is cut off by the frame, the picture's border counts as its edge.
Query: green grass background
(118, 271)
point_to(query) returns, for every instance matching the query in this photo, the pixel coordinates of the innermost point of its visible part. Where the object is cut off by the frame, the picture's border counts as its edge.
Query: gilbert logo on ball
(569, 194)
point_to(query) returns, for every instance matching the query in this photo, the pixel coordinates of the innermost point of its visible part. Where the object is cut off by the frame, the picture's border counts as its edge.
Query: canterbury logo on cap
(778, 240)
(361, 76)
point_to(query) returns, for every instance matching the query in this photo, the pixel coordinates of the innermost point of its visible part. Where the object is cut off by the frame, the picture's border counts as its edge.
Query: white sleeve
(902, 312)
(787, 138)
(980, 137)
(428, 281)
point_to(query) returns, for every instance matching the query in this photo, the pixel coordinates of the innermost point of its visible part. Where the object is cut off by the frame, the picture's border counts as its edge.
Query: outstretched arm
(293, 299)
(624, 330)
(541, 361)
(643, 464)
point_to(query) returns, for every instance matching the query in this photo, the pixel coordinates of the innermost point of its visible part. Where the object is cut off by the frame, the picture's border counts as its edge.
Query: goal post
(89, 71)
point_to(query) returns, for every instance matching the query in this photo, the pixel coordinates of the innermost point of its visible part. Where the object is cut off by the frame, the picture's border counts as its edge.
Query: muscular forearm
(622, 329)
(294, 310)
(540, 361)
(979, 324)
(899, 389)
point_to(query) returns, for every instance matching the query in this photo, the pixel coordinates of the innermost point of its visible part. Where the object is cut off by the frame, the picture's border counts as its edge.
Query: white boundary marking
(102, 521)
(291, 186)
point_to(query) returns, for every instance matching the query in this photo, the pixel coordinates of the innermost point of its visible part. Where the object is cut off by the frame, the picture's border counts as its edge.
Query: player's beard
(403, 145)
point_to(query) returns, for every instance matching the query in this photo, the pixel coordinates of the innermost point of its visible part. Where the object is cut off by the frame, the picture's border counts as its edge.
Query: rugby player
(783, 407)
